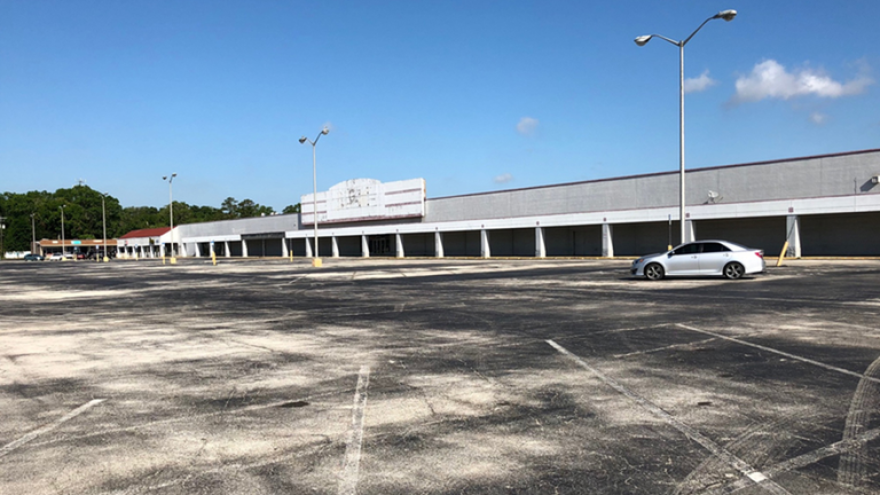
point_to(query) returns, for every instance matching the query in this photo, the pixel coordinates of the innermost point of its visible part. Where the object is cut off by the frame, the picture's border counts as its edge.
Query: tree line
(83, 215)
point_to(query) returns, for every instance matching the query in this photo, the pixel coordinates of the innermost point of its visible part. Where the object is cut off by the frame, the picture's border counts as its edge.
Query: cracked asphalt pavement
(385, 376)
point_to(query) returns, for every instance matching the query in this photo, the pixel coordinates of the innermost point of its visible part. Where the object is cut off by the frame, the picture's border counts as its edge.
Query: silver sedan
(701, 258)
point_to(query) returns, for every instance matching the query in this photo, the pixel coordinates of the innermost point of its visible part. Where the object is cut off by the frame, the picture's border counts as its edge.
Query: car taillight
(759, 254)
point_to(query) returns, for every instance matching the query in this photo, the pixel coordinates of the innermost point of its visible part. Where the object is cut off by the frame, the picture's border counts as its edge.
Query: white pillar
(607, 241)
(308, 247)
(365, 247)
(198, 253)
(485, 252)
(161, 250)
(334, 246)
(244, 253)
(438, 245)
(793, 230)
(540, 248)
(211, 249)
(226, 249)
(284, 251)
(398, 246)
(690, 231)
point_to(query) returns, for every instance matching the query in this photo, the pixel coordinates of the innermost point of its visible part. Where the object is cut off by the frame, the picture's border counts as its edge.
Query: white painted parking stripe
(51, 426)
(349, 477)
(781, 353)
(717, 450)
(804, 460)
(665, 348)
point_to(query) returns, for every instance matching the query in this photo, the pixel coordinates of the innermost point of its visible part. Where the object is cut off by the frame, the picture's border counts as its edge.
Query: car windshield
(737, 247)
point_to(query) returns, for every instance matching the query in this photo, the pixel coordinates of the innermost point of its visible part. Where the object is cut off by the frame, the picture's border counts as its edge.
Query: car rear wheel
(734, 271)
(654, 272)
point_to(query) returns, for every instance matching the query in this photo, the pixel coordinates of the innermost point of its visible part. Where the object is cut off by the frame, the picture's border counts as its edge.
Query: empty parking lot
(436, 377)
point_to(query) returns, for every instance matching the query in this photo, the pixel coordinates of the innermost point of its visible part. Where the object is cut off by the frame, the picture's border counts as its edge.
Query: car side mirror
(670, 254)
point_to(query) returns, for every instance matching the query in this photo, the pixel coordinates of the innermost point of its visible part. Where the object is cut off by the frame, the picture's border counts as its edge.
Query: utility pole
(2, 246)
(33, 234)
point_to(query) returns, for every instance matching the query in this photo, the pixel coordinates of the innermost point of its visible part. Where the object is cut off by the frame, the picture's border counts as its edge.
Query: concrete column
(793, 228)
(308, 247)
(141, 254)
(211, 249)
(198, 253)
(485, 252)
(540, 248)
(226, 249)
(244, 253)
(607, 241)
(690, 231)
(161, 250)
(284, 251)
(438, 245)
(334, 246)
(365, 247)
(398, 246)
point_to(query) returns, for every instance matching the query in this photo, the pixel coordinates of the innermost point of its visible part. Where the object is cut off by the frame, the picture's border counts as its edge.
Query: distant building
(84, 247)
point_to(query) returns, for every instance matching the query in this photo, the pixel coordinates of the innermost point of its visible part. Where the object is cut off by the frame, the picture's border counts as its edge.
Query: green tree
(292, 209)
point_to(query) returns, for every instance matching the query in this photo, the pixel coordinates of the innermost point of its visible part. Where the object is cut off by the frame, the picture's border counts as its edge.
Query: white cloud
(503, 178)
(769, 79)
(527, 126)
(818, 118)
(697, 84)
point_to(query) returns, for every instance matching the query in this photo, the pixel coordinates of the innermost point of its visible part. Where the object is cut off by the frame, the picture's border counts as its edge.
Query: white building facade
(825, 205)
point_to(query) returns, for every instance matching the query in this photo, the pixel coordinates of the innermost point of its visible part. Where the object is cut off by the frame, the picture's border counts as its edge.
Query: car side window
(714, 247)
(688, 249)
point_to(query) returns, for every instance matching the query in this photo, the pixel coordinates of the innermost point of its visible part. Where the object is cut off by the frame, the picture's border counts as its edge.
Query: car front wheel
(734, 271)
(654, 272)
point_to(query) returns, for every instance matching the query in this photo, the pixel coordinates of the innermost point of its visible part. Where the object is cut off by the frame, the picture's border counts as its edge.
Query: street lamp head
(302, 140)
(173, 175)
(164, 177)
(325, 130)
(727, 15)
(643, 40)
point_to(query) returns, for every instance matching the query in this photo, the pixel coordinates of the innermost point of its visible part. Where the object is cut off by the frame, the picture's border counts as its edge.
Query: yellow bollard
(317, 262)
(782, 254)
(214, 258)
(173, 260)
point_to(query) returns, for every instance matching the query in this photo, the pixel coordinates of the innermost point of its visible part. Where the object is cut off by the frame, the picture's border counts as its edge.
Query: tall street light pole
(2, 245)
(727, 15)
(170, 179)
(63, 249)
(104, 222)
(315, 259)
(33, 234)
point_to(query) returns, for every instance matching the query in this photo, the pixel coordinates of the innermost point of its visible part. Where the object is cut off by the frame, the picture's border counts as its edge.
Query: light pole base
(317, 262)
(173, 260)
(106, 259)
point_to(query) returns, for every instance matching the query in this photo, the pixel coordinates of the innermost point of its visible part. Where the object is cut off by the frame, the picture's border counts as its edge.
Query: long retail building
(825, 205)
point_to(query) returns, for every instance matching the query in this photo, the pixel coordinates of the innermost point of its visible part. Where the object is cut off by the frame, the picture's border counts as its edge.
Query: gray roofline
(656, 174)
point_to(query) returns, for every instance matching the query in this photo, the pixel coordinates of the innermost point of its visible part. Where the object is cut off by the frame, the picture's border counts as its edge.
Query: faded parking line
(349, 477)
(732, 460)
(51, 426)
(781, 353)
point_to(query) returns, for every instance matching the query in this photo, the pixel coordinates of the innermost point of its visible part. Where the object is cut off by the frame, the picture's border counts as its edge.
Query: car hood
(652, 255)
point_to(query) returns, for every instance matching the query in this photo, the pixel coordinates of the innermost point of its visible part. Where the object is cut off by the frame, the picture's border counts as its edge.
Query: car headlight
(638, 261)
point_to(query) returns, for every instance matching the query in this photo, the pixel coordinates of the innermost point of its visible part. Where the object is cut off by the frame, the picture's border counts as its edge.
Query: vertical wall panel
(853, 234)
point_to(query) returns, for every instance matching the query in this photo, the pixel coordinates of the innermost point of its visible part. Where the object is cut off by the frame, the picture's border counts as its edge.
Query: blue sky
(473, 96)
